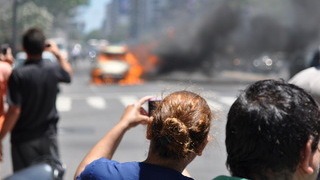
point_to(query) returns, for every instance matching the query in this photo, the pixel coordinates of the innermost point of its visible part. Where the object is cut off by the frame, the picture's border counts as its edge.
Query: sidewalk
(237, 76)
(226, 76)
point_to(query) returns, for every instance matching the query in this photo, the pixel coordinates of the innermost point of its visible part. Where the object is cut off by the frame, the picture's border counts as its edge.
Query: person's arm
(10, 120)
(53, 48)
(132, 116)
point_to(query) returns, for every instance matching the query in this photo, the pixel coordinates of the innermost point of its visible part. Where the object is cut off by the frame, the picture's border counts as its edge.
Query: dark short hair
(268, 126)
(33, 41)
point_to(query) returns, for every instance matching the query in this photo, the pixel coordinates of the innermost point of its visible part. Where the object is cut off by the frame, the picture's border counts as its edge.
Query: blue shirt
(105, 169)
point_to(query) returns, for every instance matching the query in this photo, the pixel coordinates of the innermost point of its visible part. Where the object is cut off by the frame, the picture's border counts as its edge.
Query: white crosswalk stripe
(220, 102)
(214, 105)
(96, 102)
(64, 103)
(227, 100)
(127, 100)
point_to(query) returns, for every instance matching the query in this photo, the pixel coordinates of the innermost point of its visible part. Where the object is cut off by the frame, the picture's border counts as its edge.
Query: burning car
(110, 66)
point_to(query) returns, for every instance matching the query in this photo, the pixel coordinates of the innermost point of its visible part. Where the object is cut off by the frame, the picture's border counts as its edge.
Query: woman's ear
(306, 160)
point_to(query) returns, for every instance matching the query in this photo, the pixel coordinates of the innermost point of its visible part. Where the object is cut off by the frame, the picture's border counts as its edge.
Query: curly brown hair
(181, 125)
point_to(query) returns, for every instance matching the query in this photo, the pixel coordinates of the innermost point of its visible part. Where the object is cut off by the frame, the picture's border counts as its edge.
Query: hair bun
(181, 125)
(175, 134)
(174, 127)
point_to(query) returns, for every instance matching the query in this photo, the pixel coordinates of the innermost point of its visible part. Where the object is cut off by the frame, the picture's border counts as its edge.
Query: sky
(93, 14)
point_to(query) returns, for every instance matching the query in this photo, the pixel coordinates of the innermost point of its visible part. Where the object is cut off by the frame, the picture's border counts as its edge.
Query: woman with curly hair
(178, 131)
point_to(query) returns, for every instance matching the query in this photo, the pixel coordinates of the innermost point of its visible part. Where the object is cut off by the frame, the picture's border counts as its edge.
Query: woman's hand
(135, 114)
(132, 116)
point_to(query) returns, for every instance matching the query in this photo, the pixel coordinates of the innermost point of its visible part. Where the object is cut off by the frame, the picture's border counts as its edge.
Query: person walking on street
(32, 116)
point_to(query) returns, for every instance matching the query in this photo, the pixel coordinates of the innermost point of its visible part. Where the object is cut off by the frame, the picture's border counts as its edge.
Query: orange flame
(140, 59)
(135, 71)
(147, 59)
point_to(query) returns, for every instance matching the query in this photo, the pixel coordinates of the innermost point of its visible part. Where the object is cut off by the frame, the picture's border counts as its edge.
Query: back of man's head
(268, 127)
(33, 41)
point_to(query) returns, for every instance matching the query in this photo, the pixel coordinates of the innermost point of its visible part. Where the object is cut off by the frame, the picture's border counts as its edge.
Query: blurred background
(121, 50)
(194, 36)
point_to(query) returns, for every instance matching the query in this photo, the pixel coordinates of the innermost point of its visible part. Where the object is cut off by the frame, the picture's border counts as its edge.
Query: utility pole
(14, 25)
(134, 19)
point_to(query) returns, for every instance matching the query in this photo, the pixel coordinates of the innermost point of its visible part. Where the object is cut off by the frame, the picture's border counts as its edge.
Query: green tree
(5, 25)
(31, 15)
(63, 10)
(60, 7)
(50, 15)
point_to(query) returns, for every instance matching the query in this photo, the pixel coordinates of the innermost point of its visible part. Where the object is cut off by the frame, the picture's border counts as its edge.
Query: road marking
(96, 102)
(63, 103)
(214, 106)
(227, 100)
(127, 100)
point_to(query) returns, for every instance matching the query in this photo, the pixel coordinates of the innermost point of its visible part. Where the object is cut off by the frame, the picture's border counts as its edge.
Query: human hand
(135, 114)
(52, 47)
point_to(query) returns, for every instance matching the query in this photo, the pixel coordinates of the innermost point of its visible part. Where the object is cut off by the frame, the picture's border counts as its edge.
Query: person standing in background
(32, 116)
(309, 78)
(6, 60)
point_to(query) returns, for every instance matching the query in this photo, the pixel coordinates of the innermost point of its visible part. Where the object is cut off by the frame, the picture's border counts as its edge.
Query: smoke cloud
(230, 29)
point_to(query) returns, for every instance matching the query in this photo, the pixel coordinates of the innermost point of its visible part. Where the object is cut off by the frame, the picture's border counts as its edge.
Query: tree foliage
(31, 15)
(60, 7)
(5, 25)
(49, 15)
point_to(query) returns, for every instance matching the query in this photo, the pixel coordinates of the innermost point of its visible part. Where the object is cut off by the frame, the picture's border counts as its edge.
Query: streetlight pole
(14, 25)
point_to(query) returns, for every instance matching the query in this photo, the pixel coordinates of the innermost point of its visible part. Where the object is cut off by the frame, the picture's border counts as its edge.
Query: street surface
(88, 112)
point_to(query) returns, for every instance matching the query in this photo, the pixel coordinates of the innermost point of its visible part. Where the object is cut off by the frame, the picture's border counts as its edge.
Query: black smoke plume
(230, 29)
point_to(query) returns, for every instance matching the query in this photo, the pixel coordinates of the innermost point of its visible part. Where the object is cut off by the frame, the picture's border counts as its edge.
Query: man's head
(33, 41)
(272, 129)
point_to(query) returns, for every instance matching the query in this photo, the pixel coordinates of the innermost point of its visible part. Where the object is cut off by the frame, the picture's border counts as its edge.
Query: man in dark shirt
(32, 90)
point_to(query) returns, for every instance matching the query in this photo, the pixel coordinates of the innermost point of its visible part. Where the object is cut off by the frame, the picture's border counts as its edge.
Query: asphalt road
(89, 111)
